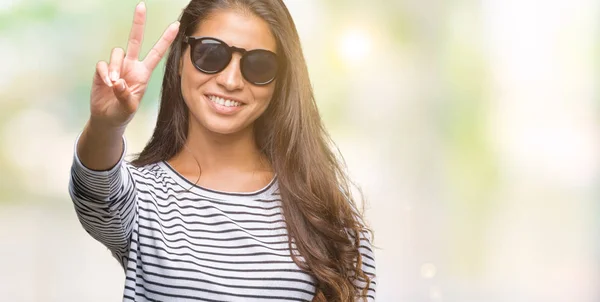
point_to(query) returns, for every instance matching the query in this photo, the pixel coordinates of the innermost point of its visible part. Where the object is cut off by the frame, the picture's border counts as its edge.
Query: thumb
(123, 94)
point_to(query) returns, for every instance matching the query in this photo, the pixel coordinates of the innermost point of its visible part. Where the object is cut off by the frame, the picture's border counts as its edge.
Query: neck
(221, 152)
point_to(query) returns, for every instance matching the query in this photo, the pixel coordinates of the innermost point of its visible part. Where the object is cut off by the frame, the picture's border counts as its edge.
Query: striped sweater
(177, 241)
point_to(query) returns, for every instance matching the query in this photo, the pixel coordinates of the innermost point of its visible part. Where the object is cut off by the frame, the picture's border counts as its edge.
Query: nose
(231, 77)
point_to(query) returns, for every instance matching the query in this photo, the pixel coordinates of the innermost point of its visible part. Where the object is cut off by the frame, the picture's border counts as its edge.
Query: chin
(224, 130)
(222, 127)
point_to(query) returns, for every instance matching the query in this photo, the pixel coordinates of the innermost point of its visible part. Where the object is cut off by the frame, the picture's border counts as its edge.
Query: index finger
(160, 48)
(137, 32)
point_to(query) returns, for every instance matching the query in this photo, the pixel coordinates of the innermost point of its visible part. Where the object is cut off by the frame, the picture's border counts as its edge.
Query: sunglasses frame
(194, 40)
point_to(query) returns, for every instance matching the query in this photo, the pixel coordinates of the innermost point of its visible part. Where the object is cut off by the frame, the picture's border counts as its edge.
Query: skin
(117, 89)
(224, 144)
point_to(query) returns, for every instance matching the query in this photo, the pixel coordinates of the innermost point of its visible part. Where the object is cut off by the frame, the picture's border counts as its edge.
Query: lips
(223, 106)
(224, 102)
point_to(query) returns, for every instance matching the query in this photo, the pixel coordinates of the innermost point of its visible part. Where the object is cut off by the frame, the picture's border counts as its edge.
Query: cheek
(264, 95)
(191, 80)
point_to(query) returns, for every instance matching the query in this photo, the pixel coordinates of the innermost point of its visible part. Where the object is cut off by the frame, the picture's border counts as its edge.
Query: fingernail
(114, 76)
(108, 81)
(141, 4)
(176, 23)
(122, 86)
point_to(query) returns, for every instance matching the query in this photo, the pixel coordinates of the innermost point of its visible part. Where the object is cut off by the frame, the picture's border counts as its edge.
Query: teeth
(224, 102)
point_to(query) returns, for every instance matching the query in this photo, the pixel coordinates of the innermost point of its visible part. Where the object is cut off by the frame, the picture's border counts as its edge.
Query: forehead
(238, 29)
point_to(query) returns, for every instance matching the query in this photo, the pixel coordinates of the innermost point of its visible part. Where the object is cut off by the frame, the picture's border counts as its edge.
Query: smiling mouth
(224, 102)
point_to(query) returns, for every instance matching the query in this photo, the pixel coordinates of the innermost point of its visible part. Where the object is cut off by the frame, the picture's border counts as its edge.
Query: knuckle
(152, 53)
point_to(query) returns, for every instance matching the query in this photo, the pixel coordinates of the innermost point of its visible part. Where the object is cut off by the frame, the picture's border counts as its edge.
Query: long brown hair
(322, 218)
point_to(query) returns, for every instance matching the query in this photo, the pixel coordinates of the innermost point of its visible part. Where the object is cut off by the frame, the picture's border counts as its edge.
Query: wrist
(98, 125)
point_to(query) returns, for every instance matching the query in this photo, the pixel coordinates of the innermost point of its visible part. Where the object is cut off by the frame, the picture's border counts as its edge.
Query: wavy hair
(323, 221)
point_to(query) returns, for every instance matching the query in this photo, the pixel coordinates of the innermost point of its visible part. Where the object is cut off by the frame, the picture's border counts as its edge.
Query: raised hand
(119, 86)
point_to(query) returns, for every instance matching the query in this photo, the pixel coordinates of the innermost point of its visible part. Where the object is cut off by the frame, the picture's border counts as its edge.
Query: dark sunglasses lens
(210, 55)
(259, 66)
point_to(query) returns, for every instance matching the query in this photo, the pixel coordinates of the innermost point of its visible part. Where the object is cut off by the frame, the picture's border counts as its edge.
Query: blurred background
(473, 128)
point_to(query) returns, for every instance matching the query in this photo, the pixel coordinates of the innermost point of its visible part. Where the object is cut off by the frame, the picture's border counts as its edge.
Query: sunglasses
(211, 55)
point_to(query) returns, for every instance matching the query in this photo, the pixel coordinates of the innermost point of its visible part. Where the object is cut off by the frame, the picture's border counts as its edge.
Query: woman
(237, 196)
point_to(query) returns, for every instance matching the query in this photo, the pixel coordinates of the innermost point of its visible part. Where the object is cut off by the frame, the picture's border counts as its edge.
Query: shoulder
(148, 173)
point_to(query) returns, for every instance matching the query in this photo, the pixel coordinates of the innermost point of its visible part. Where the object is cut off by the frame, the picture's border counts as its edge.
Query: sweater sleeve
(105, 203)
(368, 266)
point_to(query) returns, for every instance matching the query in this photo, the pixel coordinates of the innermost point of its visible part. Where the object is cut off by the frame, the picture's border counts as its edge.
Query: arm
(101, 185)
(103, 191)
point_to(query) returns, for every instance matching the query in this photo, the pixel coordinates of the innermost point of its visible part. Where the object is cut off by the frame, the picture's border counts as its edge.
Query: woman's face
(200, 89)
